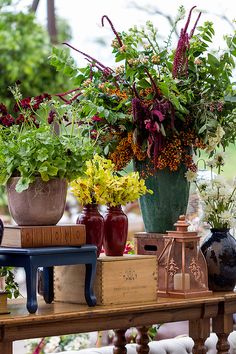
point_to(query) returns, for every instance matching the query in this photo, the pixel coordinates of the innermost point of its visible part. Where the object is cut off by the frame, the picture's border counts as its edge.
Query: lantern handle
(204, 163)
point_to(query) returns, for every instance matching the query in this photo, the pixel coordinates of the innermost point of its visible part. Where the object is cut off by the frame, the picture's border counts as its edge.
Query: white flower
(214, 140)
(219, 181)
(211, 163)
(191, 176)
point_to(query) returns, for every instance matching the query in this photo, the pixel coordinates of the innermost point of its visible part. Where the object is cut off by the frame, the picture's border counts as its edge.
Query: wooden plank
(6, 348)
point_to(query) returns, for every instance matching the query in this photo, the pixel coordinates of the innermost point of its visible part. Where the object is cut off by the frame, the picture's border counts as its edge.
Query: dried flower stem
(86, 55)
(113, 29)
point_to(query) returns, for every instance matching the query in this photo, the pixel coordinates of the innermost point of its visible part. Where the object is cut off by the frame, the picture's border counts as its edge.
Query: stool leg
(31, 275)
(48, 289)
(89, 281)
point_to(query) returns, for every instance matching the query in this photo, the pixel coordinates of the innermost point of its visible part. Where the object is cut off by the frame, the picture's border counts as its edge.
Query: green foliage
(195, 107)
(40, 147)
(11, 286)
(24, 51)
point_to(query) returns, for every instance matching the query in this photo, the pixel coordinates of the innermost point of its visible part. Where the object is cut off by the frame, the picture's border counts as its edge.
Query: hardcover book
(43, 236)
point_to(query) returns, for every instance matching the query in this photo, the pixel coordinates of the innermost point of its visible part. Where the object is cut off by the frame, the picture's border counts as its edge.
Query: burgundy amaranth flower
(7, 120)
(106, 70)
(51, 117)
(25, 104)
(93, 134)
(180, 66)
(154, 86)
(20, 119)
(3, 109)
(37, 100)
(151, 126)
(63, 94)
(113, 29)
(96, 119)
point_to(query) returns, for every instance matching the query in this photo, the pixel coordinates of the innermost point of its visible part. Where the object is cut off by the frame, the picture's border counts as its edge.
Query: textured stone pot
(219, 250)
(43, 203)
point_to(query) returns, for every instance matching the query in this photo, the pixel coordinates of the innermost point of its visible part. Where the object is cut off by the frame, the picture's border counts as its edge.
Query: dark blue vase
(219, 250)
(1, 230)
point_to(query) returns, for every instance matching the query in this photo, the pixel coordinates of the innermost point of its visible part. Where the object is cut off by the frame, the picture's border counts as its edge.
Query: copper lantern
(182, 269)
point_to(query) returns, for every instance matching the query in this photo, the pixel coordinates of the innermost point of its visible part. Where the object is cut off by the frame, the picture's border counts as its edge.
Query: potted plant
(218, 198)
(158, 106)
(102, 185)
(40, 151)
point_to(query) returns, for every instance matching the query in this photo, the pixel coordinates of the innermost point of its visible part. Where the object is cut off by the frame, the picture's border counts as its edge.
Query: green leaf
(22, 184)
(144, 83)
(230, 98)
(213, 61)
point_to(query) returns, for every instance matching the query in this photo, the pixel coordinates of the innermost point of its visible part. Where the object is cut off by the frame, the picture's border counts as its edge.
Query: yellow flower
(101, 185)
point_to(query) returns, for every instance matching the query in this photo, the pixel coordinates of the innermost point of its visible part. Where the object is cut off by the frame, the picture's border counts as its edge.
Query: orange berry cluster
(137, 151)
(176, 151)
(122, 95)
(122, 154)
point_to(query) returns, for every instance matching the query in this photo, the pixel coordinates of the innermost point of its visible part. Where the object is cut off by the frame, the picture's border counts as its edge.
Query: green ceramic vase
(169, 200)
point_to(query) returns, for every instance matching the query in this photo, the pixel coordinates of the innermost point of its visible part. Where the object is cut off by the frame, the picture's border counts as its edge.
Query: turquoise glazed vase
(169, 200)
(219, 250)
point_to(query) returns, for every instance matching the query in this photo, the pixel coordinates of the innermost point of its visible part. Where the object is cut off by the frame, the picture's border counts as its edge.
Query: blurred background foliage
(24, 50)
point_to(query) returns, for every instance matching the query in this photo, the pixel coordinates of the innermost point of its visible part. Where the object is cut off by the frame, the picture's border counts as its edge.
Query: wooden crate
(149, 243)
(119, 280)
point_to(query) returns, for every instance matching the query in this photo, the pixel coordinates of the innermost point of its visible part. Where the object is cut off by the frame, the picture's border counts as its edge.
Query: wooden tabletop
(64, 318)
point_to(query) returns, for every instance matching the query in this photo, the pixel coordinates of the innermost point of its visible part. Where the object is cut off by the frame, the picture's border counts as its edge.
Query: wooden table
(63, 318)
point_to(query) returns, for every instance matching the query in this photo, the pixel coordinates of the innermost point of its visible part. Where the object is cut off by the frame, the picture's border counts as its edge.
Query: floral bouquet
(160, 102)
(102, 185)
(217, 196)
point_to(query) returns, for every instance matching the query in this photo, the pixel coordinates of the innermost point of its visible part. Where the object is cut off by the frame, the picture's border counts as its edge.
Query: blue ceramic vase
(219, 250)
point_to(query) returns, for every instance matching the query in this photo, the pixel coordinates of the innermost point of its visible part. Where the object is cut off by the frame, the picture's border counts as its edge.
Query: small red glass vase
(115, 231)
(94, 224)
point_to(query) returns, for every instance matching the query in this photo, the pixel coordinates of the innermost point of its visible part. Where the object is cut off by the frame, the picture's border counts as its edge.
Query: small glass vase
(94, 224)
(219, 250)
(115, 231)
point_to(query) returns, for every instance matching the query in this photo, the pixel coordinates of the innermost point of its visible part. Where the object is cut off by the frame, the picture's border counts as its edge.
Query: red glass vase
(94, 224)
(115, 231)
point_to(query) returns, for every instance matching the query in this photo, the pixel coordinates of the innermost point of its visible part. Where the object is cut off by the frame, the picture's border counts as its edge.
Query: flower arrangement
(39, 141)
(218, 197)
(160, 102)
(58, 343)
(102, 185)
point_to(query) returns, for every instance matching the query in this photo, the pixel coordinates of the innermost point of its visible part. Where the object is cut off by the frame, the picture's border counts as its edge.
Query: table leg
(119, 342)
(142, 340)
(48, 288)
(31, 275)
(222, 325)
(89, 282)
(6, 347)
(199, 331)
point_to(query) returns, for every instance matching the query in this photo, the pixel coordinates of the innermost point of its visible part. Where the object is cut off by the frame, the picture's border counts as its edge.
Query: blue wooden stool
(47, 257)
